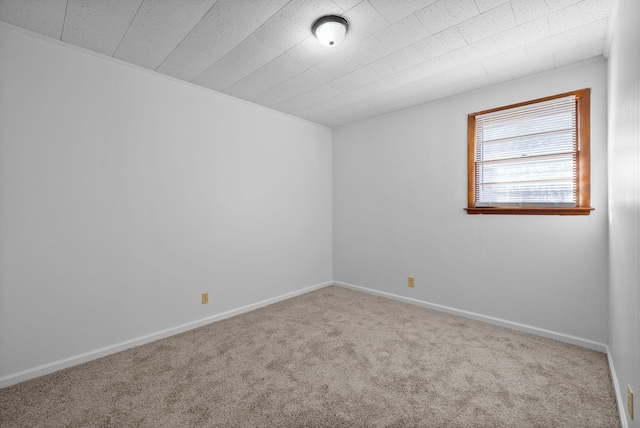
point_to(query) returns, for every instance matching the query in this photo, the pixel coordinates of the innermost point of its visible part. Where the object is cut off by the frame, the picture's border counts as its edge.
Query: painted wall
(399, 189)
(125, 194)
(624, 202)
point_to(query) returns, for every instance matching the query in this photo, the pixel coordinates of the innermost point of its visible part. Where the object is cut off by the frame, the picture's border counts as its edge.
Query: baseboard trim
(44, 369)
(618, 391)
(585, 343)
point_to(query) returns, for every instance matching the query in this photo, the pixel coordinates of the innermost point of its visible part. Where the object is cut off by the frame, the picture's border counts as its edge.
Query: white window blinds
(527, 155)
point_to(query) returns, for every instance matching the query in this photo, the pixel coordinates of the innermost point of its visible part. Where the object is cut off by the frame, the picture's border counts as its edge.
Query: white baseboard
(618, 391)
(44, 369)
(108, 350)
(585, 343)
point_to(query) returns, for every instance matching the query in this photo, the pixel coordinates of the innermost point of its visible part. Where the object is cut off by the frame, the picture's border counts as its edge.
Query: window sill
(530, 210)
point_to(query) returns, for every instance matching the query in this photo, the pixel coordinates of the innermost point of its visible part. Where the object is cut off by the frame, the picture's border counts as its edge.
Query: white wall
(124, 195)
(624, 201)
(399, 189)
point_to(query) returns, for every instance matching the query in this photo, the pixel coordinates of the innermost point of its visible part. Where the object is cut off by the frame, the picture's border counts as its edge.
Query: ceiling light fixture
(330, 30)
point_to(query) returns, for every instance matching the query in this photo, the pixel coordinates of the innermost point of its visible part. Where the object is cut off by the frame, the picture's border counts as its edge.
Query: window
(531, 158)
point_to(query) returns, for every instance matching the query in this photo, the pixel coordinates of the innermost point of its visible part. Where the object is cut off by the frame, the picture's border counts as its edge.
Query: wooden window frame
(583, 162)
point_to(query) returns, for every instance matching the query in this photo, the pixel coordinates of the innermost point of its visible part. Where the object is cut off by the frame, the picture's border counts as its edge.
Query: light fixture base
(330, 30)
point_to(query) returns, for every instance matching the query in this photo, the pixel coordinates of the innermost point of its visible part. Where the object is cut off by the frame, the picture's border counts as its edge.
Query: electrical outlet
(630, 401)
(205, 298)
(411, 281)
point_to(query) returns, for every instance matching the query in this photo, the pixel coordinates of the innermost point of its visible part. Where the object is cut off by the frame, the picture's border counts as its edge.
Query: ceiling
(397, 53)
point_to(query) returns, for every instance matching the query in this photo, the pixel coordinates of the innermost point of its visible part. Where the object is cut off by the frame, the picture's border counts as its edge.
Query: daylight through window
(531, 158)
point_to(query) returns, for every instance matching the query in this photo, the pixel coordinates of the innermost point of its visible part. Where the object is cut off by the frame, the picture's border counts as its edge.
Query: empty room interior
(211, 216)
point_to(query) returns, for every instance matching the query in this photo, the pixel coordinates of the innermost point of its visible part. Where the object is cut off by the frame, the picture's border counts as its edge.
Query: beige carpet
(333, 358)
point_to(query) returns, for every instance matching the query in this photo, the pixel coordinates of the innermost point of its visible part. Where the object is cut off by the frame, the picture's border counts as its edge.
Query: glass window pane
(527, 155)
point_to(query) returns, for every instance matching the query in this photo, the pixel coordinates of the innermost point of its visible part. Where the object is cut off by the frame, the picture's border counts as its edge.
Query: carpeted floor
(333, 358)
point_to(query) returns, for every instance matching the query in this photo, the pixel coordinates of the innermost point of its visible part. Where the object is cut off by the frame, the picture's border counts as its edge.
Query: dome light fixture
(330, 30)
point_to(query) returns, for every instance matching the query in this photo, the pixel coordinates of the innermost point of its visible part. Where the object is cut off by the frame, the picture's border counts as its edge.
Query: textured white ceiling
(397, 53)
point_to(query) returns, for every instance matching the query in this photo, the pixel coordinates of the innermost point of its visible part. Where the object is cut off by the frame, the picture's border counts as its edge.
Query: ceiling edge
(107, 58)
